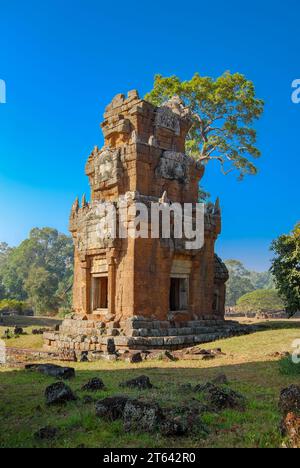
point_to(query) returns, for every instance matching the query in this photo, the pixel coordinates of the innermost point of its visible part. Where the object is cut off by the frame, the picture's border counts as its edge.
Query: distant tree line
(242, 281)
(39, 272)
(278, 288)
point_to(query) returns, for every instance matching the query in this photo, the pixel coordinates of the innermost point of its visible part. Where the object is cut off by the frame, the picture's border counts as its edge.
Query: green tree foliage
(259, 301)
(242, 281)
(40, 270)
(262, 280)
(239, 282)
(286, 268)
(4, 252)
(12, 305)
(224, 110)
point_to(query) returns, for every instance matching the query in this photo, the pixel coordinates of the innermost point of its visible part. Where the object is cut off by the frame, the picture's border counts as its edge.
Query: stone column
(111, 262)
(86, 287)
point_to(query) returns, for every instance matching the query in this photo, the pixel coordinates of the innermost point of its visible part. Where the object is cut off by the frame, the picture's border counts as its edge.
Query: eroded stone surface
(58, 393)
(111, 408)
(142, 383)
(220, 398)
(46, 433)
(139, 415)
(290, 429)
(53, 370)
(94, 385)
(289, 400)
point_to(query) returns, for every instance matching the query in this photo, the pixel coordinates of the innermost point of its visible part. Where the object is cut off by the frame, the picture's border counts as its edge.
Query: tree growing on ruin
(224, 111)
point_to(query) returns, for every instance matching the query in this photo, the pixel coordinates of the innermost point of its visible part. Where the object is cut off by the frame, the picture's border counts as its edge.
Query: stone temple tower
(142, 293)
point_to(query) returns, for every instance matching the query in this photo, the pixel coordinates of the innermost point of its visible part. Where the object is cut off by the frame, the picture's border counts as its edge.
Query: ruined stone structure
(142, 293)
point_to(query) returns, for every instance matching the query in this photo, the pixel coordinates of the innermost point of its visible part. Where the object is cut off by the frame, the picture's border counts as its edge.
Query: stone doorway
(99, 293)
(179, 294)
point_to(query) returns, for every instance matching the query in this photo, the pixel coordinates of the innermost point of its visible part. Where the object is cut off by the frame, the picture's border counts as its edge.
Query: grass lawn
(248, 365)
(28, 340)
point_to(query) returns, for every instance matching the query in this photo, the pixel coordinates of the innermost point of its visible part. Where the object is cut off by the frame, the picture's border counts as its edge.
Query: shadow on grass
(280, 325)
(21, 321)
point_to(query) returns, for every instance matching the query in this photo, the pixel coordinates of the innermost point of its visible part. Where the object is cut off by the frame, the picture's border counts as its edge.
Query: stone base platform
(80, 336)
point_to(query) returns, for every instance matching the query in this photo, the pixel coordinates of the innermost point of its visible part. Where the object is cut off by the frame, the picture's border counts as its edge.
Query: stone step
(141, 323)
(185, 331)
(174, 341)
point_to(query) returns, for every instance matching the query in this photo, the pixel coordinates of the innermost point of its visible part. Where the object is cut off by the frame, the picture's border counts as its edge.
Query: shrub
(288, 367)
(12, 305)
(261, 300)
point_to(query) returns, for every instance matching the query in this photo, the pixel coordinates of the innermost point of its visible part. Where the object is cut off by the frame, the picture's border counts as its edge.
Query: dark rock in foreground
(218, 398)
(46, 433)
(111, 408)
(173, 427)
(40, 331)
(132, 356)
(139, 415)
(290, 428)
(142, 383)
(94, 385)
(58, 393)
(289, 400)
(53, 370)
(161, 356)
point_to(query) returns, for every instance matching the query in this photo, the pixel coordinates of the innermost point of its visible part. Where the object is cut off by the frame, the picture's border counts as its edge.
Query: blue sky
(64, 61)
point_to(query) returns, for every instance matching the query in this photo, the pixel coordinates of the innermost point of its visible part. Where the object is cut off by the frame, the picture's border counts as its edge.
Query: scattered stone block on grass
(59, 393)
(289, 400)
(132, 357)
(142, 383)
(46, 433)
(218, 398)
(173, 427)
(94, 385)
(290, 428)
(53, 370)
(111, 408)
(161, 356)
(142, 416)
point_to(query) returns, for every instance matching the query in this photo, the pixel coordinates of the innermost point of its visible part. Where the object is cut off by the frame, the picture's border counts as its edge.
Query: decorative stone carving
(173, 166)
(92, 232)
(104, 167)
(171, 113)
(165, 118)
